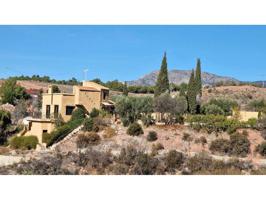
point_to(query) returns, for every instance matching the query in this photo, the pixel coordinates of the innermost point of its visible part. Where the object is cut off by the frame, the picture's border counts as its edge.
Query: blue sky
(129, 52)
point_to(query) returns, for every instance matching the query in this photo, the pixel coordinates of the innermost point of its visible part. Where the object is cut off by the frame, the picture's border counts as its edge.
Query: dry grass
(109, 133)
(4, 150)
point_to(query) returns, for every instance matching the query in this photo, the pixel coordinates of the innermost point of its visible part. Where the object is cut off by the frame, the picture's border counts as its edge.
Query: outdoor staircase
(69, 136)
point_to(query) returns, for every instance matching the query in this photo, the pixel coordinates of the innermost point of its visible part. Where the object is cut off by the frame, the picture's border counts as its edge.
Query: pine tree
(192, 94)
(198, 78)
(125, 89)
(162, 84)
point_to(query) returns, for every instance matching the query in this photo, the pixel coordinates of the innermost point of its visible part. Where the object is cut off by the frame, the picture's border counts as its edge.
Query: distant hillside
(180, 76)
(260, 83)
(38, 85)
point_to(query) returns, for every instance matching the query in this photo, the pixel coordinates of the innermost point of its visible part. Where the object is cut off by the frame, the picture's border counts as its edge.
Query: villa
(88, 96)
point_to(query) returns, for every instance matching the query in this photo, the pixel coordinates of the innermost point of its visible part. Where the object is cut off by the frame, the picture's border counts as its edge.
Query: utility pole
(85, 74)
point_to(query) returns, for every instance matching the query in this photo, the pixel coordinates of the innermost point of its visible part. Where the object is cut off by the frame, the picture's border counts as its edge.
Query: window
(56, 110)
(69, 110)
(45, 131)
(48, 111)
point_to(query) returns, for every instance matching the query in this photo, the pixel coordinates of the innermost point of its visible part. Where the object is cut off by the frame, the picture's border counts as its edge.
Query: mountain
(260, 83)
(181, 76)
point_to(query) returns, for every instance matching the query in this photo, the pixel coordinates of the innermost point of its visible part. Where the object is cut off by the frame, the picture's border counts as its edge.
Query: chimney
(50, 89)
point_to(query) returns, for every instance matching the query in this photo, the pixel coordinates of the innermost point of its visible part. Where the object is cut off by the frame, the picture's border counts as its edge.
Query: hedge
(24, 142)
(214, 123)
(61, 132)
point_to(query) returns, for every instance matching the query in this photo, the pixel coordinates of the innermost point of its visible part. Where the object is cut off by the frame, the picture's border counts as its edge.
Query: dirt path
(9, 160)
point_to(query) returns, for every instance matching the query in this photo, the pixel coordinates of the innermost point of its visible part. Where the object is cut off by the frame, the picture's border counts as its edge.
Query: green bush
(202, 140)
(130, 109)
(46, 137)
(214, 123)
(147, 120)
(88, 139)
(257, 105)
(187, 137)
(240, 145)
(252, 123)
(263, 134)
(78, 114)
(174, 159)
(61, 132)
(88, 124)
(152, 136)
(220, 146)
(135, 130)
(24, 142)
(94, 113)
(225, 104)
(212, 109)
(261, 149)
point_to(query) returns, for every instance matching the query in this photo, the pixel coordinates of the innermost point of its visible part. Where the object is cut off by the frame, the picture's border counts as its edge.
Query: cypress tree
(162, 84)
(198, 78)
(125, 89)
(192, 94)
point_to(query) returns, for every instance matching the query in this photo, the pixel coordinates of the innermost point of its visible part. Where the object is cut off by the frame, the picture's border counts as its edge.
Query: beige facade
(244, 116)
(37, 127)
(90, 95)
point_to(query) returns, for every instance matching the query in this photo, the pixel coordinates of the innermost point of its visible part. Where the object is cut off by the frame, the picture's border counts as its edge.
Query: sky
(129, 52)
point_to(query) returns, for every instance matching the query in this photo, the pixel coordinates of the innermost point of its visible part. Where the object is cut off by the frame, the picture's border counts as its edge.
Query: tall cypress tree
(198, 78)
(125, 89)
(162, 84)
(192, 94)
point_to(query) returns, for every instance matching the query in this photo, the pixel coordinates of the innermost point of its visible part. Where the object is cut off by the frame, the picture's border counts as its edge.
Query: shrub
(144, 165)
(61, 132)
(174, 106)
(130, 109)
(214, 123)
(94, 113)
(263, 134)
(24, 142)
(220, 146)
(78, 114)
(261, 149)
(152, 136)
(203, 164)
(174, 159)
(46, 137)
(156, 147)
(179, 119)
(147, 120)
(128, 155)
(202, 140)
(88, 124)
(240, 145)
(262, 123)
(187, 137)
(213, 109)
(225, 104)
(257, 105)
(135, 130)
(109, 133)
(252, 123)
(88, 139)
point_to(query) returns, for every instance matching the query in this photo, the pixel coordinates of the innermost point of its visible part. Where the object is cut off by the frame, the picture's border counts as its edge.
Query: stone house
(88, 96)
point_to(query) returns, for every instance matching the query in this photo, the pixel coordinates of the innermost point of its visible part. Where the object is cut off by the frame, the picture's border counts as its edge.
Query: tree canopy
(162, 84)
(10, 92)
